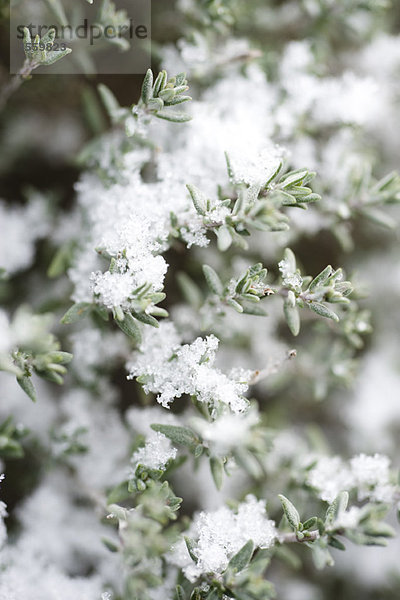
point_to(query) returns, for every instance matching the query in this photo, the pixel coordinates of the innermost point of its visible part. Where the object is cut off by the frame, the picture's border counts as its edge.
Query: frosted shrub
(206, 310)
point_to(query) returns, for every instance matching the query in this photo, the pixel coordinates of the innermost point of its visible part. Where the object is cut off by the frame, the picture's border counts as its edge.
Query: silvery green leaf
(145, 318)
(224, 238)
(174, 117)
(128, 325)
(217, 471)
(109, 100)
(291, 312)
(290, 258)
(322, 278)
(336, 508)
(238, 307)
(380, 218)
(49, 37)
(76, 312)
(26, 384)
(198, 198)
(156, 104)
(167, 94)
(190, 290)
(242, 558)
(179, 100)
(323, 311)
(190, 545)
(290, 511)
(213, 280)
(159, 83)
(147, 86)
(59, 357)
(177, 434)
(293, 177)
(321, 556)
(53, 57)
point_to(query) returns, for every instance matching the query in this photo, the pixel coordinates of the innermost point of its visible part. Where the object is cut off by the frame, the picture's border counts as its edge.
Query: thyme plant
(202, 302)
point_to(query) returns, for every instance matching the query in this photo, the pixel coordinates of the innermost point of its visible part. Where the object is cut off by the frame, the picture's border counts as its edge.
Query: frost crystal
(156, 452)
(290, 278)
(369, 474)
(330, 476)
(219, 535)
(372, 477)
(255, 167)
(170, 370)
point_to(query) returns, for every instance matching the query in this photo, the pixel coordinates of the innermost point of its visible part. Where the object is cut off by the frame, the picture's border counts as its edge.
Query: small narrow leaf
(146, 319)
(178, 435)
(190, 545)
(242, 558)
(28, 387)
(76, 312)
(217, 471)
(290, 511)
(323, 311)
(147, 86)
(174, 117)
(179, 593)
(291, 312)
(321, 278)
(129, 326)
(213, 280)
(224, 238)
(198, 198)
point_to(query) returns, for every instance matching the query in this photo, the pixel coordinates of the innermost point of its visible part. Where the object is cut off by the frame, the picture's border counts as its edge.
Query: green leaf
(290, 258)
(213, 280)
(196, 594)
(190, 545)
(323, 311)
(190, 291)
(335, 543)
(293, 178)
(178, 435)
(60, 358)
(321, 279)
(174, 117)
(76, 312)
(310, 523)
(28, 387)
(147, 86)
(119, 493)
(291, 312)
(242, 558)
(321, 556)
(179, 593)
(198, 198)
(60, 262)
(128, 325)
(238, 307)
(336, 507)
(224, 238)
(159, 83)
(146, 319)
(109, 100)
(380, 218)
(53, 57)
(217, 471)
(290, 511)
